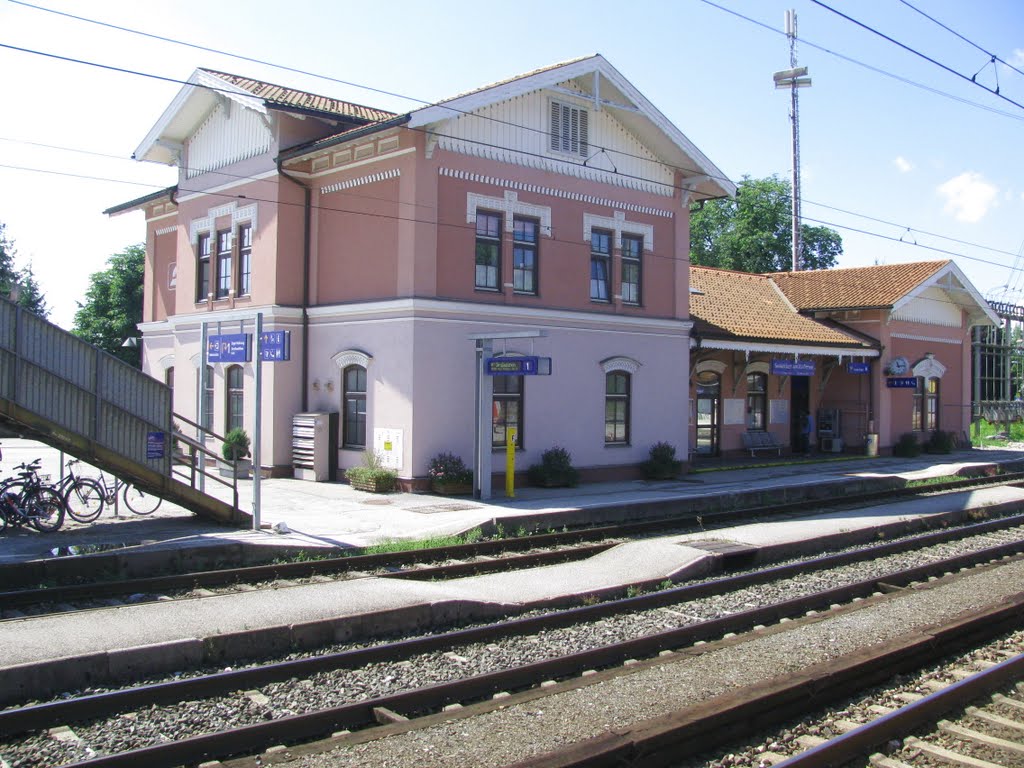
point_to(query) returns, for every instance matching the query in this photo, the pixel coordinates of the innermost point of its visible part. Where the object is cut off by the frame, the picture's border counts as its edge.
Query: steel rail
(865, 739)
(650, 744)
(35, 572)
(89, 707)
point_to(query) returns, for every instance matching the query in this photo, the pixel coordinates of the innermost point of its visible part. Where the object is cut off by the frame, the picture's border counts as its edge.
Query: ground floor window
(353, 432)
(236, 398)
(757, 400)
(206, 414)
(507, 410)
(925, 414)
(616, 407)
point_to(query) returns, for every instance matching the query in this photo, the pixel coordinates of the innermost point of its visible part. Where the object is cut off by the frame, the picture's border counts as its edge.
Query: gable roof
(206, 87)
(854, 288)
(743, 306)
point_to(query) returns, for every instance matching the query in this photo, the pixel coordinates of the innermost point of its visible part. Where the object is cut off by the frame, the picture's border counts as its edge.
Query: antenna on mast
(794, 78)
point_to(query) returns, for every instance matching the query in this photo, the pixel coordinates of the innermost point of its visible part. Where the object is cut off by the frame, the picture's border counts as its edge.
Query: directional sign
(275, 346)
(518, 366)
(229, 348)
(858, 368)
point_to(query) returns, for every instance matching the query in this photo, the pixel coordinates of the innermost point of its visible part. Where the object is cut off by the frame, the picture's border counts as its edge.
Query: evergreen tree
(23, 281)
(113, 305)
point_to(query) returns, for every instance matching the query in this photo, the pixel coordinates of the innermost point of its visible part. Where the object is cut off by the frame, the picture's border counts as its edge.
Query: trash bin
(872, 445)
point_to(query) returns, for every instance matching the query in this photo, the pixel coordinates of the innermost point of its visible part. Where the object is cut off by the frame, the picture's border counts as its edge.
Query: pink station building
(537, 229)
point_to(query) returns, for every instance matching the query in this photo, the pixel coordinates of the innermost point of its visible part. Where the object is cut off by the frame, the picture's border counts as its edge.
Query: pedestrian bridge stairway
(73, 396)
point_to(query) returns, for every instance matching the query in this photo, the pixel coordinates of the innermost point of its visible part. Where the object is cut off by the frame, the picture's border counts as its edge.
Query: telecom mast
(794, 78)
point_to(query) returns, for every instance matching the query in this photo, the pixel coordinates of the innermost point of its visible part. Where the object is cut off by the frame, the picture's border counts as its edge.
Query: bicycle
(85, 497)
(26, 500)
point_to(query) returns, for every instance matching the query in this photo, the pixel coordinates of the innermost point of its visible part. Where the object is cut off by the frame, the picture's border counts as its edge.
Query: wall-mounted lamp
(329, 386)
(316, 385)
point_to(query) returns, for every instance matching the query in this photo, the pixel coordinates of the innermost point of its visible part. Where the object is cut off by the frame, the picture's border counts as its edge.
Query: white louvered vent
(570, 129)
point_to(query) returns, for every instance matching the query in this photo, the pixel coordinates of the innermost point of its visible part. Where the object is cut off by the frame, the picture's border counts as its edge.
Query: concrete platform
(127, 641)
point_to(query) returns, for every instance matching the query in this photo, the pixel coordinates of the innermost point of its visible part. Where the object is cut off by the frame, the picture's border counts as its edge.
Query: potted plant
(235, 451)
(449, 475)
(555, 470)
(372, 476)
(662, 463)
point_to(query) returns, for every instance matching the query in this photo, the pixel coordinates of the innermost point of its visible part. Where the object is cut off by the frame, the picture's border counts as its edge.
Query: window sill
(526, 293)
(485, 289)
(617, 445)
(599, 301)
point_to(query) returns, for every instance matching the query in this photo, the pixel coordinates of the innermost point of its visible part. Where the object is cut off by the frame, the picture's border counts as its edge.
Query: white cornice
(272, 316)
(197, 193)
(783, 349)
(468, 312)
(932, 339)
(350, 166)
(391, 173)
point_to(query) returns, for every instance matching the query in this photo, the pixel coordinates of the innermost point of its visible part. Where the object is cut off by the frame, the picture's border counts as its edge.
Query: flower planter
(227, 470)
(373, 485)
(451, 489)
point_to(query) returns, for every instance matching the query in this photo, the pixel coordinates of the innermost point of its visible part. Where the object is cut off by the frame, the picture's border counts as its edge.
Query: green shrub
(941, 442)
(555, 469)
(372, 476)
(449, 468)
(236, 445)
(907, 446)
(662, 463)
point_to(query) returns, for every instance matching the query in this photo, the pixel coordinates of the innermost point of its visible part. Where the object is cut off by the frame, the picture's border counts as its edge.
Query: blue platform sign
(154, 445)
(275, 346)
(858, 368)
(782, 367)
(901, 382)
(517, 366)
(229, 348)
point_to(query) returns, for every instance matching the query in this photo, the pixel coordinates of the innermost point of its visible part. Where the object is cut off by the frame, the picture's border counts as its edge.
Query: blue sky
(878, 154)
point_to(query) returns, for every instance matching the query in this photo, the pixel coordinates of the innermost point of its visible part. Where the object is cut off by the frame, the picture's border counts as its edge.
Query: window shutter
(584, 135)
(556, 126)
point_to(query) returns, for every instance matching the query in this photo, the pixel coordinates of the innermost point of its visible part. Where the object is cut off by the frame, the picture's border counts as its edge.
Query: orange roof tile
(747, 306)
(289, 97)
(878, 286)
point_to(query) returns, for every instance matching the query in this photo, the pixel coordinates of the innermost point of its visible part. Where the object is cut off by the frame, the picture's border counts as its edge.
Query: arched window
(206, 414)
(353, 432)
(925, 415)
(236, 398)
(757, 401)
(169, 381)
(616, 407)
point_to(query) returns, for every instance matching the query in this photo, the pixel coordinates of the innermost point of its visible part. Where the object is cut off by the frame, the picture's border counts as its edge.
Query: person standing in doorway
(808, 433)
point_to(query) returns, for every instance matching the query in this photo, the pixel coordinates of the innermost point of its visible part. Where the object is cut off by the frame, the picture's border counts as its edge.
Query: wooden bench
(761, 441)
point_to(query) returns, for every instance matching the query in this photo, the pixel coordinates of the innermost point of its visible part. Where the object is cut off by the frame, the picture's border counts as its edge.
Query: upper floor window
(236, 398)
(223, 263)
(616, 407)
(757, 401)
(632, 251)
(600, 264)
(203, 267)
(245, 259)
(488, 250)
(353, 432)
(524, 254)
(570, 131)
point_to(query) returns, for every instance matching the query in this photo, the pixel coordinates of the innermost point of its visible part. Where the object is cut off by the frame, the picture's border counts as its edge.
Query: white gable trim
(618, 224)
(511, 207)
(965, 295)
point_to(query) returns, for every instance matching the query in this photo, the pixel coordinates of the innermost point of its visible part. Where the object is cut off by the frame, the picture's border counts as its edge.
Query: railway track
(424, 564)
(676, 609)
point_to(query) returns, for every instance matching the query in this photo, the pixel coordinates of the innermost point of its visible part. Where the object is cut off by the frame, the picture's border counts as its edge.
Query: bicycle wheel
(139, 501)
(45, 509)
(83, 500)
(15, 489)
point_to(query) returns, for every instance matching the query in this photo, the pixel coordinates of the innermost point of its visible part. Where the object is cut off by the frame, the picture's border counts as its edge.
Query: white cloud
(968, 196)
(903, 164)
(1018, 57)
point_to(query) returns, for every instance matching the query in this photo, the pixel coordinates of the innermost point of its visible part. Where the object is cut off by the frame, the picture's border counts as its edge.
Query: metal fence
(67, 382)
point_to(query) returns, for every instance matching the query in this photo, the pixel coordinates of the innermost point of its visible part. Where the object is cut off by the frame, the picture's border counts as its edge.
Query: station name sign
(858, 368)
(782, 367)
(518, 366)
(901, 382)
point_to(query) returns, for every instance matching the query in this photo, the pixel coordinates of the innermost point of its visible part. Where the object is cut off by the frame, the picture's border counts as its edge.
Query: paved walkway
(335, 515)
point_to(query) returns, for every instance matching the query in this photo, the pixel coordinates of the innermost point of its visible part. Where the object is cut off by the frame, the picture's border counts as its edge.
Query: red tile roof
(289, 97)
(745, 306)
(857, 287)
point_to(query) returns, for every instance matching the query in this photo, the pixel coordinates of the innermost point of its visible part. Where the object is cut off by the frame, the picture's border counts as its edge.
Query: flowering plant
(449, 468)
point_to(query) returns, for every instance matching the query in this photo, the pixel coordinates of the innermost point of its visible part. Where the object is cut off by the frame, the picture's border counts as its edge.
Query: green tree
(113, 305)
(753, 232)
(21, 281)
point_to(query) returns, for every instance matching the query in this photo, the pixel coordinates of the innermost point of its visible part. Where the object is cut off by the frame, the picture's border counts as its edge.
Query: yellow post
(510, 462)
